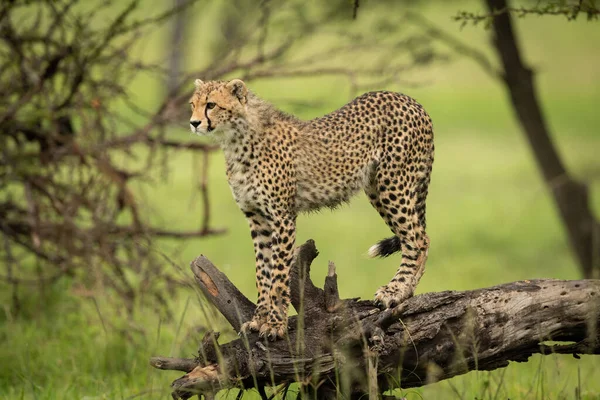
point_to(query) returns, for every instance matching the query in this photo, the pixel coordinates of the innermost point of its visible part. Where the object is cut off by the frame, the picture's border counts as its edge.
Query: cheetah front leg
(282, 244)
(261, 232)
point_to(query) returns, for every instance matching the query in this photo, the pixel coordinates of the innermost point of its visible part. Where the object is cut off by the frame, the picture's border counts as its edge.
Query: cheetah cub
(279, 166)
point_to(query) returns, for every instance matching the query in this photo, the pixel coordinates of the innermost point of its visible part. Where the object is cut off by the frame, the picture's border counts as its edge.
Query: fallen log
(353, 348)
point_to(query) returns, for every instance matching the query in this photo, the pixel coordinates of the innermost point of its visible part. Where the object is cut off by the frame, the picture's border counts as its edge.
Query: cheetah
(278, 166)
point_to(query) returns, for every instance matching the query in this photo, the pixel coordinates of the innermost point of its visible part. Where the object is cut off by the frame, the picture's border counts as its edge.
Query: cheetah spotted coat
(279, 166)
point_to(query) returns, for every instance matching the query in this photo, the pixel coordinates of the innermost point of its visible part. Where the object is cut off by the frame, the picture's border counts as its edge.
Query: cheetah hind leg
(399, 204)
(403, 287)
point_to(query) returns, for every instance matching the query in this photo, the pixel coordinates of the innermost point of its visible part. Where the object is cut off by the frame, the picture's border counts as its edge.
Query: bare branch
(76, 195)
(455, 44)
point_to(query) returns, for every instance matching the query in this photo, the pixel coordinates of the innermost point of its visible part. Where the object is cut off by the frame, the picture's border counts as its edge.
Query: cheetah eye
(192, 105)
(210, 106)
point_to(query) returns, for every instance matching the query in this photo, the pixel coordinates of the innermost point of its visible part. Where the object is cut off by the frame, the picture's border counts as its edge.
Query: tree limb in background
(570, 196)
(66, 202)
(458, 46)
(333, 345)
(177, 49)
(562, 8)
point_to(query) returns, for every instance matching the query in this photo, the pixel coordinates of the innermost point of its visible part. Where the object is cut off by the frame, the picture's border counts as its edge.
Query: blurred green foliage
(490, 218)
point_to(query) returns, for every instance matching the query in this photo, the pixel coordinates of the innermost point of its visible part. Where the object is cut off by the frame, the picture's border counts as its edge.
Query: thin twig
(456, 44)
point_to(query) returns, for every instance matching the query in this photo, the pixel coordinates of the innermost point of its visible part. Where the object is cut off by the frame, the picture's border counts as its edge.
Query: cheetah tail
(385, 247)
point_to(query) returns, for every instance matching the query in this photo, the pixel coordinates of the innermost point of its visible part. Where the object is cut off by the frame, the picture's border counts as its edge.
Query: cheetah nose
(195, 123)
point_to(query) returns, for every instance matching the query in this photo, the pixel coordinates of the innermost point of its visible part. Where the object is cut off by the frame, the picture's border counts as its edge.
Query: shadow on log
(351, 347)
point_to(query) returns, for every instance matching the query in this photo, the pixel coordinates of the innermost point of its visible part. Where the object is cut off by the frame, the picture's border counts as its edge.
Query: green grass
(490, 220)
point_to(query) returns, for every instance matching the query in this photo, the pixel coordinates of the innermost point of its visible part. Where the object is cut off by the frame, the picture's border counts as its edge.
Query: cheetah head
(216, 105)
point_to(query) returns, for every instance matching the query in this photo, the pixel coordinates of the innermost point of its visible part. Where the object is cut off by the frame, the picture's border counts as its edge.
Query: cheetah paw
(390, 296)
(273, 330)
(253, 325)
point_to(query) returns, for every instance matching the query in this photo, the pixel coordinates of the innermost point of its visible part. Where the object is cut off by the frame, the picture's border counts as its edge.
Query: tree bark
(175, 48)
(333, 345)
(570, 196)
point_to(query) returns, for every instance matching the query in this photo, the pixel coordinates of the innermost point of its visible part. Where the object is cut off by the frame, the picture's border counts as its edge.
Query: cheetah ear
(238, 88)
(198, 83)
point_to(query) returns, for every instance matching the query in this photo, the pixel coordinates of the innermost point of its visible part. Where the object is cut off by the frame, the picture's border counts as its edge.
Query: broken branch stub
(337, 343)
(332, 295)
(223, 294)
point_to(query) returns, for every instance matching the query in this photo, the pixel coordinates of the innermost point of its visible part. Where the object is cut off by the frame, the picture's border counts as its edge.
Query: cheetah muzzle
(278, 166)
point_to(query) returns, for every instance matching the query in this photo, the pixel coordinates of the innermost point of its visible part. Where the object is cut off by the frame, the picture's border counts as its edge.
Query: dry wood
(333, 345)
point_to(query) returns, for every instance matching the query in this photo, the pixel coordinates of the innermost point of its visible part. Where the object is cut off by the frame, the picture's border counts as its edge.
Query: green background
(490, 219)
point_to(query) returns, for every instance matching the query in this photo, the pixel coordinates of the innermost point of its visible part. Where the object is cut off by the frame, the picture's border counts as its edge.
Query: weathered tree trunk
(334, 345)
(570, 196)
